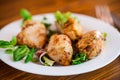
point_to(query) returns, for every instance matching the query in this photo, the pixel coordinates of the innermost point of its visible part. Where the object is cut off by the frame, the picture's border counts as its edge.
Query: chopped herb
(105, 35)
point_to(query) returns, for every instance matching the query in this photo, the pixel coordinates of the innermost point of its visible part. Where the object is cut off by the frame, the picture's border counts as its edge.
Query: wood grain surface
(9, 11)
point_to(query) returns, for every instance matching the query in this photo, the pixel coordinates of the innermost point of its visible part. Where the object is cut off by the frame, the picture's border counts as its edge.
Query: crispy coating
(32, 34)
(60, 49)
(71, 28)
(91, 43)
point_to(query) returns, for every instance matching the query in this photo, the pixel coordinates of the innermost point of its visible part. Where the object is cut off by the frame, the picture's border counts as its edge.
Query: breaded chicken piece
(32, 34)
(91, 43)
(60, 49)
(71, 28)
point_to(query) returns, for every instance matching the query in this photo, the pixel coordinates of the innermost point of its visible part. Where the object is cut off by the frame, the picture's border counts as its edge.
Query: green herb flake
(105, 35)
(20, 52)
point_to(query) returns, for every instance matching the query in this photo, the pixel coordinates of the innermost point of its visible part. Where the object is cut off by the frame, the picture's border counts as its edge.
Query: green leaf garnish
(13, 41)
(105, 35)
(26, 15)
(79, 58)
(30, 55)
(62, 18)
(9, 51)
(20, 52)
(4, 44)
(44, 18)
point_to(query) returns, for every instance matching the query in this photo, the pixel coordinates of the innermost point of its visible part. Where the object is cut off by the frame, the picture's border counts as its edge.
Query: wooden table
(9, 11)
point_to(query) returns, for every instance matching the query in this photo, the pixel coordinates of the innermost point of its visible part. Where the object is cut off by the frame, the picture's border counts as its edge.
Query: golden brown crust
(60, 49)
(91, 43)
(33, 34)
(73, 29)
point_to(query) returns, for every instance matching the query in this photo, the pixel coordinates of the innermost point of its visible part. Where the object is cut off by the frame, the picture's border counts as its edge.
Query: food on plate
(66, 46)
(26, 15)
(43, 58)
(33, 34)
(60, 49)
(91, 43)
(68, 25)
(79, 58)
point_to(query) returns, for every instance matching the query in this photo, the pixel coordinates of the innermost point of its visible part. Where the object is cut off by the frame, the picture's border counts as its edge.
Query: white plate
(109, 53)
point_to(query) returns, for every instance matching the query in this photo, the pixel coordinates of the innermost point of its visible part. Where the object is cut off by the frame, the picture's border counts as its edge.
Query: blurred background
(10, 8)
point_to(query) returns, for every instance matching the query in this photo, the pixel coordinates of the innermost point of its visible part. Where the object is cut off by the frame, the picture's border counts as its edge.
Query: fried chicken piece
(91, 43)
(71, 28)
(60, 49)
(32, 34)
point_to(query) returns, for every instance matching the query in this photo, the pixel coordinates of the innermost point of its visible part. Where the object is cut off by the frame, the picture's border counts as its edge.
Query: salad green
(62, 18)
(30, 55)
(23, 51)
(20, 52)
(26, 15)
(79, 58)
